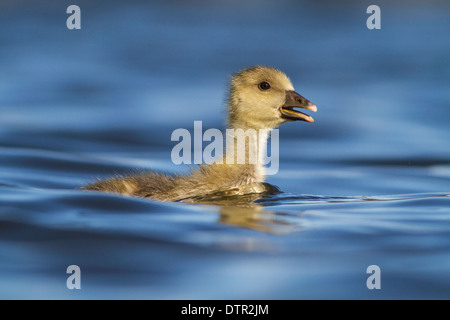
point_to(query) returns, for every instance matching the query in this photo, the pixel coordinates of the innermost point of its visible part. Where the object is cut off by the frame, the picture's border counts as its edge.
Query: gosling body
(260, 99)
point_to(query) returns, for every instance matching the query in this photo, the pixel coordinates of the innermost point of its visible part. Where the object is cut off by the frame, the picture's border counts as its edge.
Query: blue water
(367, 184)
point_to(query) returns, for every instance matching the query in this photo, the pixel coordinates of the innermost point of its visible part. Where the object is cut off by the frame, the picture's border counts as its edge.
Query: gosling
(260, 98)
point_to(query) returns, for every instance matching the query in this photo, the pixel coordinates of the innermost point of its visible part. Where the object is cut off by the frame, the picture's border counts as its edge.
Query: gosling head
(264, 98)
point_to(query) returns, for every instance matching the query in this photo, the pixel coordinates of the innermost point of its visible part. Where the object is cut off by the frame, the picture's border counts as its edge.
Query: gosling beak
(294, 100)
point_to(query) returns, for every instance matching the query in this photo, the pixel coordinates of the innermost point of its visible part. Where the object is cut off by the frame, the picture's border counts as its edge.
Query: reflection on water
(255, 218)
(367, 183)
(244, 211)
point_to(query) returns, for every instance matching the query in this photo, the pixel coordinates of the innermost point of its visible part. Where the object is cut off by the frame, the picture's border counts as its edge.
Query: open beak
(294, 100)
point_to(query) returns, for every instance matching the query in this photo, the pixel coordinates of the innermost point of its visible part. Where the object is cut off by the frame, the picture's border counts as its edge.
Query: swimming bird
(260, 99)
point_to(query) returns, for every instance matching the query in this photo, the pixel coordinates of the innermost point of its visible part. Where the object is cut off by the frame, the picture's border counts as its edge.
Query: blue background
(367, 183)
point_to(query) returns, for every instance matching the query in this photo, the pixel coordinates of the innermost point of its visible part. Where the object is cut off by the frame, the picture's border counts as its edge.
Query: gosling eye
(264, 86)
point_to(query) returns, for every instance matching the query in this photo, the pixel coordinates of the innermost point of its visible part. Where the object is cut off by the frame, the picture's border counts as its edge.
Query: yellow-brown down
(259, 98)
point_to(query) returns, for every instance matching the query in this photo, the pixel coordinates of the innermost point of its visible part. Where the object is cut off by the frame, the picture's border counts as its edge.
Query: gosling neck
(246, 149)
